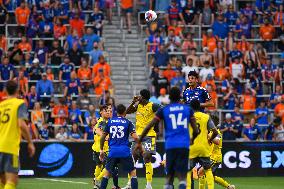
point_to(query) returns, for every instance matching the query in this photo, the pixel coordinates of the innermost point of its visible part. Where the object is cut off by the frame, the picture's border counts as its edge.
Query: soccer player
(145, 112)
(13, 114)
(196, 92)
(216, 158)
(177, 118)
(106, 113)
(200, 150)
(119, 128)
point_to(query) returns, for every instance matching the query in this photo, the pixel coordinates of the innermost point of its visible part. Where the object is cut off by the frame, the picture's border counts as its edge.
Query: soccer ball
(150, 16)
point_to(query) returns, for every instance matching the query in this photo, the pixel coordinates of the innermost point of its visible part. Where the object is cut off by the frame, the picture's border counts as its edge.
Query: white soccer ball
(150, 16)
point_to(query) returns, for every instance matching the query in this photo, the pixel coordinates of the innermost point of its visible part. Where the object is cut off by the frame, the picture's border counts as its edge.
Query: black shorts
(177, 161)
(96, 158)
(214, 167)
(127, 164)
(9, 163)
(205, 162)
(149, 145)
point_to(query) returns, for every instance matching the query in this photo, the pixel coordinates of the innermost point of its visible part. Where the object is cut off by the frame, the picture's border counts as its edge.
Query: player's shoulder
(201, 88)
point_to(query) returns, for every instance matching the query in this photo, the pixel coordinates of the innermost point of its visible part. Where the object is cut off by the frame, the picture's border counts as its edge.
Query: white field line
(64, 181)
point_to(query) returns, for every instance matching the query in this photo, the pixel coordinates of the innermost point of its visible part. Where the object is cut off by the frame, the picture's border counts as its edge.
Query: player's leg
(190, 183)
(181, 166)
(115, 177)
(11, 180)
(128, 165)
(170, 171)
(149, 145)
(220, 180)
(10, 166)
(206, 163)
(98, 169)
(202, 178)
(111, 163)
(2, 181)
(129, 15)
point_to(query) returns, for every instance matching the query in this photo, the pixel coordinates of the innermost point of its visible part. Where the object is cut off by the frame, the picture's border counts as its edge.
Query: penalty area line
(63, 181)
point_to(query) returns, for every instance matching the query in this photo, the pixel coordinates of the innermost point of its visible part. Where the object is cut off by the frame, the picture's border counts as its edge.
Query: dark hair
(11, 87)
(193, 73)
(215, 119)
(174, 94)
(120, 109)
(103, 107)
(195, 104)
(145, 93)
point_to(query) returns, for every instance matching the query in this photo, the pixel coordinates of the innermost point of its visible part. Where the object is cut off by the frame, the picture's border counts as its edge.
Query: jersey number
(116, 132)
(4, 116)
(177, 121)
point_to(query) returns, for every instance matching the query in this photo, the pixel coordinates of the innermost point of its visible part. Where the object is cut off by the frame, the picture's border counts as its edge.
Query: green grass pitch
(85, 183)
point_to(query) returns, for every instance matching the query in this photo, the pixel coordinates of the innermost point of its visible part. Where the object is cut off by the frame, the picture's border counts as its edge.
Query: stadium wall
(74, 159)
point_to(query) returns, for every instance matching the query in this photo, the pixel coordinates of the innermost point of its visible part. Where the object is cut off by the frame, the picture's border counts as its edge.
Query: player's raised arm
(154, 122)
(211, 127)
(132, 108)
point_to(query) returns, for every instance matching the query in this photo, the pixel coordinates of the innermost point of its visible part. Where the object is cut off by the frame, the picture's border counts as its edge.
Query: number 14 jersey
(119, 129)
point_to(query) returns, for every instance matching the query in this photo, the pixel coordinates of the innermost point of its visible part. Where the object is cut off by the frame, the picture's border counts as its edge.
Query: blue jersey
(66, 69)
(198, 93)
(5, 71)
(119, 129)
(176, 118)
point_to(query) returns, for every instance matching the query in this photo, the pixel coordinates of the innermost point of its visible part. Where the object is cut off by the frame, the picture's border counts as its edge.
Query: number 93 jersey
(119, 129)
(10, 133)
(176, 118)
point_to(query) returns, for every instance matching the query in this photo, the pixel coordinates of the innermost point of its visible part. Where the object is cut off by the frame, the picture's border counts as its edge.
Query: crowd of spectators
(55, 50)
(237, 49)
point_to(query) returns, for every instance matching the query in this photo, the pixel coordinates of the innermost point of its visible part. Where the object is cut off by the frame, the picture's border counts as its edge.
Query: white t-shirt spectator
(204, 72)
(188, 69)
(164, 99)
(61, 137)
(237, 70)
(175, 39)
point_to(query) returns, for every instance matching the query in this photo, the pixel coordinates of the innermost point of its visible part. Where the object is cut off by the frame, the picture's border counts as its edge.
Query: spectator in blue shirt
(252, 132)
(95, 54)
(275, 97)
(248, 11)
(231, 99)
(41, 52)
(89, 39)
(261, 114)
(72, 39)
(228, 128)
(65, 69)
(174, 12)
(262, 5)
(6, 70)
(44, 89)
(244, 28)
(48, 12)
(231, 16)
(178, 81)
(154, 41)
(44, 132)
(238, 120)
(32, 97)
(75, 114)
(162, 5)
(60, 12)
(96, 19)
(73, 86)
(32, 28)
(45, 29)
(161, 57)
(220, 28)
(235, 53)
(75, 134)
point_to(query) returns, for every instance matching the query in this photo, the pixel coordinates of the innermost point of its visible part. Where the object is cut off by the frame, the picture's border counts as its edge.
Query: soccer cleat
(231, 187)
(98, 183)
(128, 186)
(148, 186)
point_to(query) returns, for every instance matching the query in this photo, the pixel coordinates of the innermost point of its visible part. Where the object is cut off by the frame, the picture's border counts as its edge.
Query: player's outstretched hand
(31, 149)
(102, 155)
(136, 98)
(138, 150)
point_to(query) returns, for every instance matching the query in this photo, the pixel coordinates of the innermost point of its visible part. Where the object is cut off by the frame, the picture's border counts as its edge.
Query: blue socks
(182, 185)
(115, 177)
(134, 183)
(104, 183)
(168, 186)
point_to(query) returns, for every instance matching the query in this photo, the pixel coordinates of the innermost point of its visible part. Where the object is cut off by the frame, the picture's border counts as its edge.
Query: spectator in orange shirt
(169, 73)
(279, 109)
(85, 73)
(279, 16)
(50, 75)
(24, 45)
(101, 82)
(127, 9)
(103, 65)
(209, 81)
(22, 14)
(77, 24)
(209, 41)
(188, 43)
(60, 113)
(243, 45)
(37, 116)
(3, 42)
(248, 100)
(59, 30)
(214, 97)
(23, 83)
(177, 30)
(221, 73)
(267, 33)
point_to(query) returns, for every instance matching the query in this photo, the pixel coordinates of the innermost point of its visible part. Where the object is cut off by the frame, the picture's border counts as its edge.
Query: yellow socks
(101, 175)
(10, 185)
(209, 179)
(188, 186)
(97, 171)
(149, 172)
(221, 182)
(1, 185)
(202, 182)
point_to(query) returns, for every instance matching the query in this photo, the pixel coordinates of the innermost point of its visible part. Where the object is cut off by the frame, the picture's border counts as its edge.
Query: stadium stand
(61, 53)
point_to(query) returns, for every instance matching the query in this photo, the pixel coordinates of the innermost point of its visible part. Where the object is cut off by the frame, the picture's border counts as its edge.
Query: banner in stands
(69, 159)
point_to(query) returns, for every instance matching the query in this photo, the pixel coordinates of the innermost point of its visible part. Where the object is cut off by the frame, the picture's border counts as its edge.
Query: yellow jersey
(216, 150)
(144, 116)
(201, 146)
(97, 138)
(10, 132)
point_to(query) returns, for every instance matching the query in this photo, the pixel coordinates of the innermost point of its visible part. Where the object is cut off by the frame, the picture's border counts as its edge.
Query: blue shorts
(128, 10)
(127, 164)
(177, 161)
